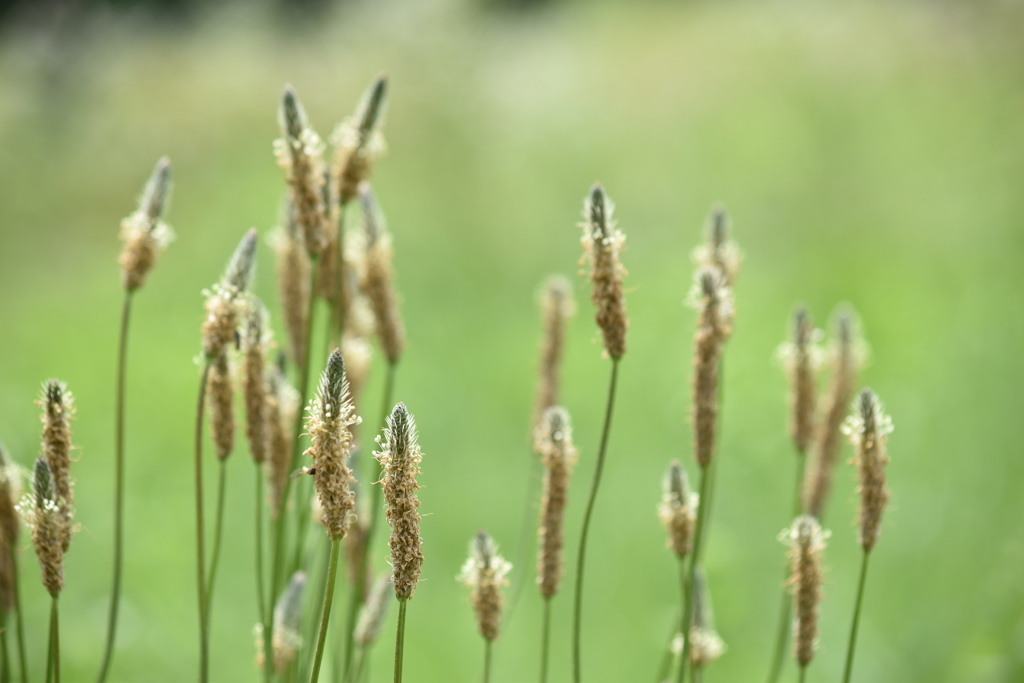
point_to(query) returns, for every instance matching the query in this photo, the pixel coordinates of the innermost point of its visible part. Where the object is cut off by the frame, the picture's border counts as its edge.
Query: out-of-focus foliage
(868, 152)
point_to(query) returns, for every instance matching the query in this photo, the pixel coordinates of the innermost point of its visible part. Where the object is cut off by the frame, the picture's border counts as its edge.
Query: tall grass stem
(115, 592)
(577, 623)
(400, 640)
(204, 643)
(54, 660)
(545, 640)
(848, 669)
(332, 572)
(260, 599)
(218, 532)
(488, 652)
(19, 623)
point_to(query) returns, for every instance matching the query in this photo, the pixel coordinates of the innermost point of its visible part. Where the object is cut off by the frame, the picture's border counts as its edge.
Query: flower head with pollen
(143, 232)
(50, 526)
(400, 457)
(485, 573)
(678, 509)
(225, 302)
(379, 278)
(705, 644)
(868, 428)
(557, 306)
(300, 153)
(331, 415)
(801, 356)
(719, 250)
(713, 301)
(554, 436)
(602, 245)
(806, 542)
(358, 141)
(10, 527)
(58, 408)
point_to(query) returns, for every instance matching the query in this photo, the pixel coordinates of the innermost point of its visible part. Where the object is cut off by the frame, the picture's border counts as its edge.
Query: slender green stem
(204, 640)
(698, 540)
(20, 625)
(279, 540)
(488, 647)
(261, 602)
(305, 665)
(545, 640)
(360, 662)
(785, 610)
(49, 650)
(803, 673)
(356, 598)
(848, 669)
(5, 662)
(668, 656)
(332, 572)
(218, 531)
(698, 673)
(55, 642)
(527, 532)
(577, 622)
(400, 640)
(115, 593)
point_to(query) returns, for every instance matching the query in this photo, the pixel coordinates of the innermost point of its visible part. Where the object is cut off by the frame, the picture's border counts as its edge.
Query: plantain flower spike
(705, 644)
(287, 638)
(373, 611)
(678, 509)
(225, 302)
(58, 408)
(293, 274)
(49, 525)
(802, 358)
(144, 234)
(602, 245)
(868, 429)
(358, 142)
(719, 251)
(221, 396)
(847, 355)
(807, 541)
(281, 410)
(559, 456)
(557, 306)
(485, 573)
(331, 415)
(400, 458)
(300, 153)
(10, 528)
(713, 301)
(254, 379)
(379, 278)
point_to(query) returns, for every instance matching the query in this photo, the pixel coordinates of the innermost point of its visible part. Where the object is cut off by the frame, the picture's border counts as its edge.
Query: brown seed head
(331, 414)
(293, 269)
(846, 357)
(355, 547)
(557, 306)
(378, 279)
(558, 454)
(58, 408)
(602, 245)
(49, 525)
(678, 509)
(281, 409)
(373, 611)
(221, 396)
(719, 250)
(144, 234)
(358, 142)
(485, 572)
(254, 380)
(713, 301)
(400, 457)
(10, 526)
(801, 357)
(300, 153)
(705, 644)
(806, 541)
(868, 429)
(225, 301)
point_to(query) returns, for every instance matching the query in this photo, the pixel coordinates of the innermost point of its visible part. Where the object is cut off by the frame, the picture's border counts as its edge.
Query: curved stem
(218, 531)
(115, 593)
(527, 532)
(356, 598)
(19, 624)
(577, 622)
(260, 600)
(332, 572)
(488, 647)
(698, 539)
(545, 640)
(278, 538)
(400, 640)
(204, 641)
(785, 610)
(848, 669)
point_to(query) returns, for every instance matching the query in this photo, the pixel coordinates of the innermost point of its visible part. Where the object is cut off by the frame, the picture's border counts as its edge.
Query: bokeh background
(869, 152)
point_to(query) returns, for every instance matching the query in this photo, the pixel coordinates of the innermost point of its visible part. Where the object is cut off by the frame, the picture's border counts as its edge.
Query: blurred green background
(868, 152)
